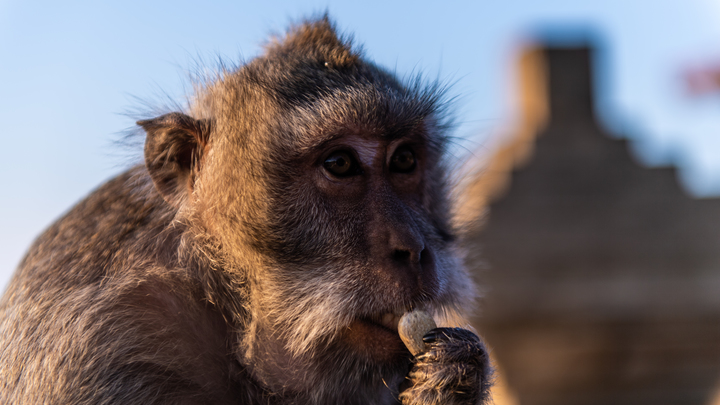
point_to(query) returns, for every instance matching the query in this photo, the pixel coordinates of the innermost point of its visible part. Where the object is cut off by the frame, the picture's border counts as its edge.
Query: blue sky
(71, 69)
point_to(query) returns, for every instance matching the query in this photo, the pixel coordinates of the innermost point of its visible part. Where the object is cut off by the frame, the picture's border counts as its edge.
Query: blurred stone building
(601, 277)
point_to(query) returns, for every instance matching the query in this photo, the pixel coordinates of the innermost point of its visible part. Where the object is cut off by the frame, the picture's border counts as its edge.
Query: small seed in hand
(412, 327)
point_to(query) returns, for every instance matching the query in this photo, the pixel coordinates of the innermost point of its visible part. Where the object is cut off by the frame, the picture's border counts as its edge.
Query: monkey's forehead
(309, 126)
(367, 104)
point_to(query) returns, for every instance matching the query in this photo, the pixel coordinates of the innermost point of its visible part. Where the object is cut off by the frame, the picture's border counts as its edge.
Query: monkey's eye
(403, 161)
(341, 164)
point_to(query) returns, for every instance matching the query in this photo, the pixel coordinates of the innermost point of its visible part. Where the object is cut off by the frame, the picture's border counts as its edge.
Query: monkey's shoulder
(105, 232)
(91, 301)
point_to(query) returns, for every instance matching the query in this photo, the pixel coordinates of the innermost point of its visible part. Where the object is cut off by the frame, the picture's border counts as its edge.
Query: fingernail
(430, 336)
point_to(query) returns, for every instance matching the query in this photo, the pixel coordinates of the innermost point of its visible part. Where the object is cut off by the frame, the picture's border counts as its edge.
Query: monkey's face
(324, 190)
(378, 184)
(354, 230)
(353, 242)
(370, 191)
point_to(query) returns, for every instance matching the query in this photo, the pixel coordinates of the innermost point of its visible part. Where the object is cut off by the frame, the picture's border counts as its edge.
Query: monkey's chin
(375, 342)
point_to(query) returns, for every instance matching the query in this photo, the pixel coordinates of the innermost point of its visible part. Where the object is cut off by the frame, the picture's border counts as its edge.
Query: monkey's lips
(388, 320)
(377, 337)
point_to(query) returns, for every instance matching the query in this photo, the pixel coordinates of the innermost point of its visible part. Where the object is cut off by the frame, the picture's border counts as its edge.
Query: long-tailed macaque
(263, 253)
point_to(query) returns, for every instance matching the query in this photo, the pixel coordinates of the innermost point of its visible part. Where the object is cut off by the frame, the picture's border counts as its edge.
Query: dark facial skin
(383, 179)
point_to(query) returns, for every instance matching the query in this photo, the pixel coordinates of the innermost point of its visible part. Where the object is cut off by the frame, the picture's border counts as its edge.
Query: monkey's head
(316, 178)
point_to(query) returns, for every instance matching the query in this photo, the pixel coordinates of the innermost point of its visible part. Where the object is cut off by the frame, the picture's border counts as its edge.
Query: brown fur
(234, 268)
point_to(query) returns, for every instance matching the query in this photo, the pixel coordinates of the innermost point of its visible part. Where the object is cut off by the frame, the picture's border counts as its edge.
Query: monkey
(263, 253)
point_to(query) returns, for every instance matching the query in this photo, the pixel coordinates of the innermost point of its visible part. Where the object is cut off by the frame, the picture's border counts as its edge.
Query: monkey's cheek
(374, 342)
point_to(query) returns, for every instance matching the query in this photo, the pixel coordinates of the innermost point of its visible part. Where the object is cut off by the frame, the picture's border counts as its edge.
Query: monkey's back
(94, 309)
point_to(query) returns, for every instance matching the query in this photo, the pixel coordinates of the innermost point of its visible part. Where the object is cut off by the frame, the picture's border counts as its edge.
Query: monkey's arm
(454, 369)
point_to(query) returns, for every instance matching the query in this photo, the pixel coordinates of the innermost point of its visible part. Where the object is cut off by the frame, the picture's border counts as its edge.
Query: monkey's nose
(416, 269)
(407, 247)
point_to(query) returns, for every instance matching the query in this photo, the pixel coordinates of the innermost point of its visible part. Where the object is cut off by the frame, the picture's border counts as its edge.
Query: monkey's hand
(453, 370)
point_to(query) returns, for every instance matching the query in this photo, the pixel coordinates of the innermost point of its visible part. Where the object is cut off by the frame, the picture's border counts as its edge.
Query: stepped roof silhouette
(602, 276)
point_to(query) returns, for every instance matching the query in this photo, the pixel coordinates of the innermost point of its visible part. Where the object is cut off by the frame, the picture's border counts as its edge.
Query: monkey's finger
(450, 334)
(453, 345)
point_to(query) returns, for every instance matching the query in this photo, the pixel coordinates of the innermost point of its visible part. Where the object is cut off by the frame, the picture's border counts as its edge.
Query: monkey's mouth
(376, 336)
(387, 320)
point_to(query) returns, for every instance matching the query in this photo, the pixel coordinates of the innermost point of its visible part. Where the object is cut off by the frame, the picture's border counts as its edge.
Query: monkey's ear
(174, 146)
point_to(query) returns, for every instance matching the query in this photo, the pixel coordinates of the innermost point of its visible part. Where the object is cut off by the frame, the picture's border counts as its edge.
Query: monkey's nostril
(401, 255)
(426, 259)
